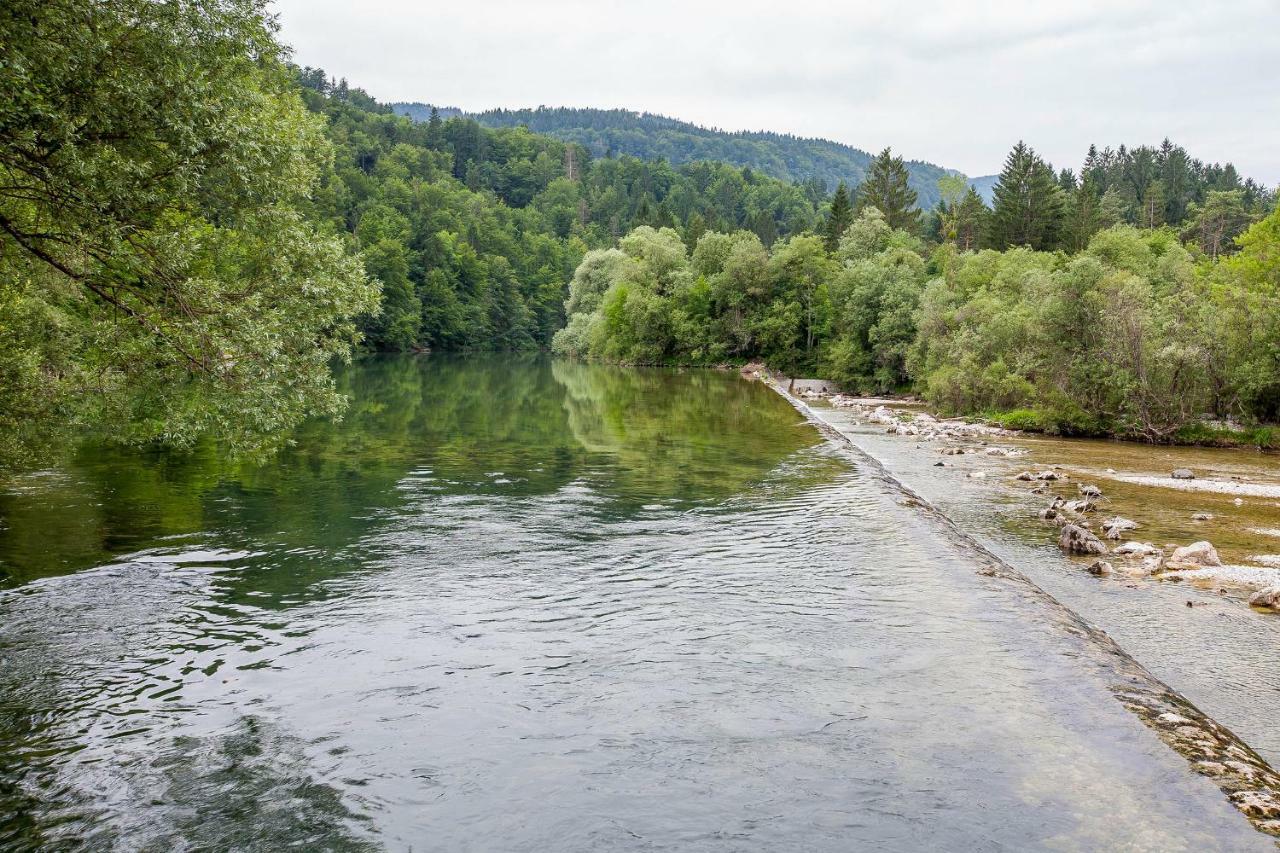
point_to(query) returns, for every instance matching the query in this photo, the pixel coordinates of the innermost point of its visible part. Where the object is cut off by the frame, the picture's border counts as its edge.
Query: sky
(953, 83)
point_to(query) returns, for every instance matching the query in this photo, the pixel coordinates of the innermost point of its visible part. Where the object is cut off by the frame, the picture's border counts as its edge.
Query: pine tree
(1028, 203)
(435, 131)
(970, 220)
(1153, 205)
(1082, 216)
(839, 218)
(1112, 209)
(693, 229)
(886, 189)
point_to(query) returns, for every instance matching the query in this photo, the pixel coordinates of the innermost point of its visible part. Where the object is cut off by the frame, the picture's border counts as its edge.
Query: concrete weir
(1212, 750)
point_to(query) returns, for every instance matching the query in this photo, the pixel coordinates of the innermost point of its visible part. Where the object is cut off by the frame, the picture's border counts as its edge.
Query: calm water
(510, 604)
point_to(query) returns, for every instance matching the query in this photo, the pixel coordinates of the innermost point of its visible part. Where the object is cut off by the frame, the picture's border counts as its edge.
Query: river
(516, 604)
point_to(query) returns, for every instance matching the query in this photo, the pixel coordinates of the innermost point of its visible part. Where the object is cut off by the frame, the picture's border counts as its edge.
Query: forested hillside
(1099, 305)
(192, 231)
(651, 137)
(474, 231)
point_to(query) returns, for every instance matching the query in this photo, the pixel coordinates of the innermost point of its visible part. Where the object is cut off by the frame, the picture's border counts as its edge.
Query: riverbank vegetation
(192, 231)
(1140, 333)
(158, 274)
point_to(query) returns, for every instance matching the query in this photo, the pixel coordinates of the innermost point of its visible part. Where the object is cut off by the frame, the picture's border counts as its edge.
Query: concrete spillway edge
(1248, 781)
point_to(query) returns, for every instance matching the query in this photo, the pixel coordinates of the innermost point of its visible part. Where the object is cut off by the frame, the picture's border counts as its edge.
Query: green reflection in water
(501, 426)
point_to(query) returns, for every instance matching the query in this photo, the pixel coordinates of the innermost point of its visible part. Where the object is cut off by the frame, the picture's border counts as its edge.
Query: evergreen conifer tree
(839, 218)
(886, 189)
(1028, 207)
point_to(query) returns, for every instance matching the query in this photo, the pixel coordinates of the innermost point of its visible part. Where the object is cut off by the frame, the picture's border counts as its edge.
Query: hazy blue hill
(650, 136)
(986, 186)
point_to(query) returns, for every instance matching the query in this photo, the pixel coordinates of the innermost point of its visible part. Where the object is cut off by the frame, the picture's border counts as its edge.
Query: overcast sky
(955, 83)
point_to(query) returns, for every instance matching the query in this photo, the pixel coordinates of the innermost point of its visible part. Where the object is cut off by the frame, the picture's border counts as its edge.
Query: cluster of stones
(919, 425)
(1076, 537)
(1074, 517)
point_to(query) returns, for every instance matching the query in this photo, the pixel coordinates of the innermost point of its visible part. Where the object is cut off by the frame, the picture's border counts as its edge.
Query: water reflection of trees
(695, 435)
(483, 425)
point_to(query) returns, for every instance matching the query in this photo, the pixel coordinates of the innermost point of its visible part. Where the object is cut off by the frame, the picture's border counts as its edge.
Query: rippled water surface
(510, 604)
(1200, 638)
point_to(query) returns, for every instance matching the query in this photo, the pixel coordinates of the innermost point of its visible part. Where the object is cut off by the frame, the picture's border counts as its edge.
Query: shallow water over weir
(1218, 652)
(516, 605)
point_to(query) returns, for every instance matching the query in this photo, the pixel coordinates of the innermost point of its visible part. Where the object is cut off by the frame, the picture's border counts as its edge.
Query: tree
(1082, 216)
(1112, 209)
(961, 212)
(1214, 224)
(886, 189)
(839, 217)
(970, 220)
(800, 269)
(1028, 207)
(153, 160)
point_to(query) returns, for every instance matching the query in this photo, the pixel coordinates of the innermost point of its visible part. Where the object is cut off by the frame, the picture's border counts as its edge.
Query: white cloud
(954, 83)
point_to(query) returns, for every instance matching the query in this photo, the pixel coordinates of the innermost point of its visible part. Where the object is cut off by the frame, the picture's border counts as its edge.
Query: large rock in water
(1269, 597)
(1196, 554)
(1076, 540)
(1182, 474)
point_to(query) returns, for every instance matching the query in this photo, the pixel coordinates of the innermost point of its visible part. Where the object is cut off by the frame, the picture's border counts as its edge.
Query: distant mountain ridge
(650, 136)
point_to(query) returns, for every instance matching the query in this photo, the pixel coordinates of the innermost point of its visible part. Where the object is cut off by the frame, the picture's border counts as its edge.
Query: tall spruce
(1029, 203)
(885, 188)
(839, 218)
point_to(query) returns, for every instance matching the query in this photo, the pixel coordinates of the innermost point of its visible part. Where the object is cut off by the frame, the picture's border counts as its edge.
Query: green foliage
(1026, 420)
(1130, 337)
(490, 223)
(1028, 209)
(158, 275)
(612, 133)
(1134, 336)
(886, 189)
(839, 217)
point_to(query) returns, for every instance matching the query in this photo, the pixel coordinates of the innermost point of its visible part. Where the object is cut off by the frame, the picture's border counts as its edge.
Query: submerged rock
(1116, 526)
(1076, 540)
(1100, 567)
(1257, 804)
(1025, 476)
(1196, 554)
(1268, 598)
(1047, 475)
(1182, 474)
(1136, 549)
(1202, 516)
(1090, 491)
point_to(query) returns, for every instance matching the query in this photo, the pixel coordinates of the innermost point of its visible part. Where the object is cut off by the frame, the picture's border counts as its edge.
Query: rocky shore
(1072, 508)
(1088, 525)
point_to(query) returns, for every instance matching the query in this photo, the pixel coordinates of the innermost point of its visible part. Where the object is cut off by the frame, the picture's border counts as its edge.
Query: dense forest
(474, 232)
(193, 230)
(608, 133)
(1053, 311)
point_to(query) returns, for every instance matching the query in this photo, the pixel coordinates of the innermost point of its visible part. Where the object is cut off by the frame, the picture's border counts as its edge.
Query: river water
(511, 604)
(1198, 636)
